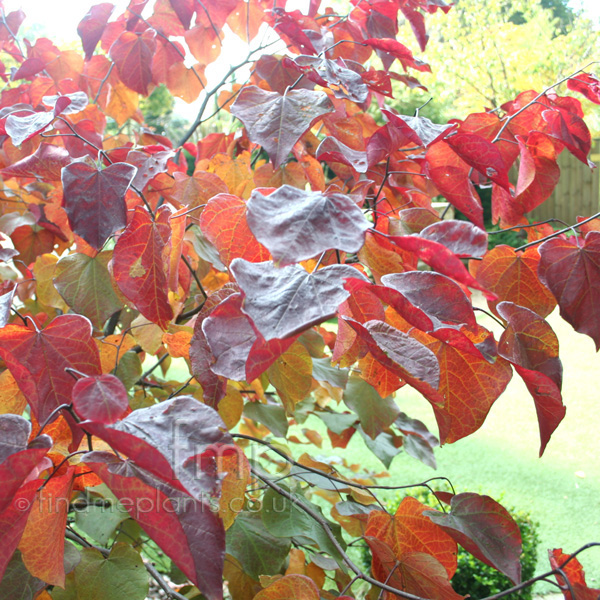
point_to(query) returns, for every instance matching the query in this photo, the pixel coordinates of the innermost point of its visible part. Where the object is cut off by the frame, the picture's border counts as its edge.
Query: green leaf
(284, 518)
(100, 522)
(18, 583)
(121, 575)
(129, 369)
(270, 415)
(382, 447)
(258, 550)
(85, 285)
(375, 413)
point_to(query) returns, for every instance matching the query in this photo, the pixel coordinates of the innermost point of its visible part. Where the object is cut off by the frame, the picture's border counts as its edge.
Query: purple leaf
(168, 440)
(295, 225)
(94, 199)
(425, 289)
(282, 302)
(21, 127)
(7, 291)
(420, 130)
(485, 529)
(332, 150)
(277, 122)
(79, 100)
(460, 237)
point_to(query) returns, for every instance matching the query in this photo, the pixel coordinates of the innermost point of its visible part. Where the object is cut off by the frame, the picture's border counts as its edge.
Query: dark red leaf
(450, 174)
(38, 359)
(570, 268)
(571, 130)
(149, 162)
(277, 122)
(529, 343)
(92, 26)
(102, 399)
(94, 199)
(132, 54)
(460, 237)
(296, 225)
(46, 163)
(282, 302)
(485, 529)
(18, 457)
(186, 529)
(139, 262)
(482, 155)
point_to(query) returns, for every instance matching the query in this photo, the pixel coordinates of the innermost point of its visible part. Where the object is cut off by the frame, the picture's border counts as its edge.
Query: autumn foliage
(297, 267)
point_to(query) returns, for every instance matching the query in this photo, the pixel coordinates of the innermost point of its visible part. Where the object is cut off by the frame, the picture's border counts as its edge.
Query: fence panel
(577, 192)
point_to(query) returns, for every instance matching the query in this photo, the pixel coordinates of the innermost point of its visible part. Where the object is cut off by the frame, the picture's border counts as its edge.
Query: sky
(62, 16)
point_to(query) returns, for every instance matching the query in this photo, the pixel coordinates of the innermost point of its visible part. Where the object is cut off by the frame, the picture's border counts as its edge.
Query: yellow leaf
(43, 271)
(230, 407)
(12, 400)
(233, 486)
(291, 374)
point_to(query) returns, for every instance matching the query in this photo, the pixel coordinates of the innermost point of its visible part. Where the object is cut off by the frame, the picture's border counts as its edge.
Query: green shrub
(474, 577)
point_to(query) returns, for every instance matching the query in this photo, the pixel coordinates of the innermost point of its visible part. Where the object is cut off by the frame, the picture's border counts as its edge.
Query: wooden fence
(577, 192)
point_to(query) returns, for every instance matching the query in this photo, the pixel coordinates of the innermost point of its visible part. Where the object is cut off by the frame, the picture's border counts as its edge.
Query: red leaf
(296, 225)
(184, 10)
(17, 457)
(102, 399)
(571, 130)
(529, 343)
(92, 26)
(187, 530)
(139, 261)
(450, 174)
(223, 221)
(13, 520)
(46, 163)
(482, 155)
(149, 162)
(441, 259)
(574, 573)
(43, 543)
(512, 276)
(283, 302)
(277, 122)
(586, 84)
(570, 268)
(38, 359)
(132, 54)
(485, 529)
(399, 51)
(94, 199)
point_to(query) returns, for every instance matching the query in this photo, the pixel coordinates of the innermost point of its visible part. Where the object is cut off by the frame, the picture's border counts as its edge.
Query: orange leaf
(290, 587)
(233, 486)
(43, 543)
(122, 103)
(512, 276)
(185, 83)
(12, 400)
(223, 222)
(178, 343)
(203, 43)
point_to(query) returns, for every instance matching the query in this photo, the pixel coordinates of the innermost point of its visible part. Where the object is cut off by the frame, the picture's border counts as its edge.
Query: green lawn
(561, 490)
